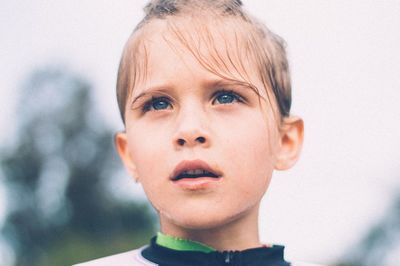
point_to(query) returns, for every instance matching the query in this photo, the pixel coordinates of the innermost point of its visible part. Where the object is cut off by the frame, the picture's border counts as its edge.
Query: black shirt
(269, 256)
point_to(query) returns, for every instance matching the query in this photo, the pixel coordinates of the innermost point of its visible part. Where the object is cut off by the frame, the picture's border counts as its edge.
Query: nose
(192, 130)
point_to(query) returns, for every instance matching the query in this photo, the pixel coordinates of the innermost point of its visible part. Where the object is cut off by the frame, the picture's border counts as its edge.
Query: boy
(204, 93)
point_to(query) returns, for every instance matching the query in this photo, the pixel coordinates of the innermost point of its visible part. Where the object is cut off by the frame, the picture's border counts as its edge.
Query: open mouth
(197, 173)
(194, 169)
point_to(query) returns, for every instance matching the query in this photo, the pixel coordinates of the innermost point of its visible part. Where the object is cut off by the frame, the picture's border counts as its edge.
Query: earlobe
(291, 142)
(121, 144)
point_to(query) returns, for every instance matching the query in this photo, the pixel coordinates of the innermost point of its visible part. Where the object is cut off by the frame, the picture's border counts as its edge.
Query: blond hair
(257, 42)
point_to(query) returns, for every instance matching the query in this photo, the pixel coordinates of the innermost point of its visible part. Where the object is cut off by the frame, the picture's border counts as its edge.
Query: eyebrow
(155, 89)
(227, 82)
(230, 82)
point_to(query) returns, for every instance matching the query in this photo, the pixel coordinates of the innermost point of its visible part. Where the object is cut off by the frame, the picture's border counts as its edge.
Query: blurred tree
(57, 174)
(381, 246)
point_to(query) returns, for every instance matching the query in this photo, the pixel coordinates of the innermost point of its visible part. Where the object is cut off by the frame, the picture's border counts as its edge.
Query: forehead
(220, 46)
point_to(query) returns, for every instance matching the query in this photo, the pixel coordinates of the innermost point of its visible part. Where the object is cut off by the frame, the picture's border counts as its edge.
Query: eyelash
(149, 105)
(236, 96)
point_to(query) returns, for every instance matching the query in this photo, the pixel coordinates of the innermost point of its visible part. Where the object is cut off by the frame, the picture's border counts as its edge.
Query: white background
(345, 61)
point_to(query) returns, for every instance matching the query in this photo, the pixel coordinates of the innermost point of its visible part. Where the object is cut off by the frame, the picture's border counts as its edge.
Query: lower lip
(199, 183)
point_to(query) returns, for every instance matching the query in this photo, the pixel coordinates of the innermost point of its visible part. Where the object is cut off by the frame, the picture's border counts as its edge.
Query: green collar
(181, 244)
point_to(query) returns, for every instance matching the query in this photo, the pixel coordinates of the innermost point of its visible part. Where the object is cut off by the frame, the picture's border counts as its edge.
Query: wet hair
(252, 41)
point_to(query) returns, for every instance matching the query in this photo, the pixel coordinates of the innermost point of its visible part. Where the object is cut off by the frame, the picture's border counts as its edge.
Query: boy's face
(185, 116)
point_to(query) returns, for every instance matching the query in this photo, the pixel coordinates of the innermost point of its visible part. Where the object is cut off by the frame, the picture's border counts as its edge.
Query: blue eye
(227, 97)
(157, 103)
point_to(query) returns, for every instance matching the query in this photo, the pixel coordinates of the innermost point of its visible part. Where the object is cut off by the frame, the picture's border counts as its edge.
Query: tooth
(195, 172)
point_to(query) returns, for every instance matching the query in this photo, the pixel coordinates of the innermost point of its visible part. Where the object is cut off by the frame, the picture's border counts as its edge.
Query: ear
(121, 144)
(291, 142)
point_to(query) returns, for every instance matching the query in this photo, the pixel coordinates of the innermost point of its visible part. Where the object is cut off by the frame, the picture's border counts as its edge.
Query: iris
(225, 98)
(160, 104)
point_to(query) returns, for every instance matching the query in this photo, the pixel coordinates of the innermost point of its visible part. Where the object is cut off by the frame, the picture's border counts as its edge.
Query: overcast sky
(345, 63)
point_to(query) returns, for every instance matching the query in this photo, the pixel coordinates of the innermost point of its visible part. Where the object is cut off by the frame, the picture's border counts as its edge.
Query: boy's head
(194, 22)
(200, 86)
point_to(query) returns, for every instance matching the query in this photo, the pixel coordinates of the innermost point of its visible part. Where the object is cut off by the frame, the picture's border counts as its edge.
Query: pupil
(160, 105)
(225, 98)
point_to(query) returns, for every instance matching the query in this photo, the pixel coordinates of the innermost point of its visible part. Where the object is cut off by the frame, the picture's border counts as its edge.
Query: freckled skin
(241, 141)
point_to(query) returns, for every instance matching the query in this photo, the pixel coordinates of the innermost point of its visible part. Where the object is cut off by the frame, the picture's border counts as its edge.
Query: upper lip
(193, 165)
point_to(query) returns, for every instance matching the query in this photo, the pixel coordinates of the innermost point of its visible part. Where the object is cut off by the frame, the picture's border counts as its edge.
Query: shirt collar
(176, 243)
(163, 256)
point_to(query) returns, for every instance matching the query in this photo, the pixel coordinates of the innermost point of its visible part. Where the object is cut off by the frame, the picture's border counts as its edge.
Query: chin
(204, 223)
(201, 221)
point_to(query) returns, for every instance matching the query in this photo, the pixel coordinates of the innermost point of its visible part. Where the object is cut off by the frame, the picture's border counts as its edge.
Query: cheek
(251, 151)
(146, 144)
(252, 139)
(149, 155)
(150, 146)
(152, 174)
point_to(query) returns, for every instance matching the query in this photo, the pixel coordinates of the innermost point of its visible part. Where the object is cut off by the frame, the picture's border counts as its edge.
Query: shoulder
(130, 258)
(301, 263)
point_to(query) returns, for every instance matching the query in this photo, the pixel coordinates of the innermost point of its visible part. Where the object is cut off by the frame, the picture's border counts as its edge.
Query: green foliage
(381, 245)
(56, 174)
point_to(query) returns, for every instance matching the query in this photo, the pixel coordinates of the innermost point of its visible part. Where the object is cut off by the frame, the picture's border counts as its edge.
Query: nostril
(182, 141)
(201, 139)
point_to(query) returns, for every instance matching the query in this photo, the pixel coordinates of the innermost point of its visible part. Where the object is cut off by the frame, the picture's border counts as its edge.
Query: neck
(239, 234)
